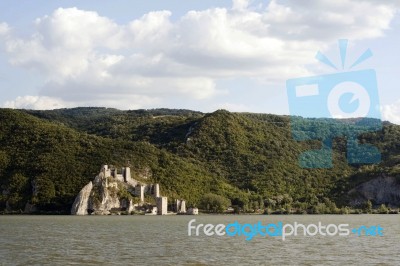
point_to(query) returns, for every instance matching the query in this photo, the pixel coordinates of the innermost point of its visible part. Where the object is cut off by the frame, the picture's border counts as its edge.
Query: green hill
(46, 157)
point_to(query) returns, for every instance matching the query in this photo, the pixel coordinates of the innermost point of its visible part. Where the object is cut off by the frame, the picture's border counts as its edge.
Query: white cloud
(4, 28)
(240, 4)
(50, 103)
(35, 102)
(391, 112)
(86, 58)
(327, 20)
(148, 31)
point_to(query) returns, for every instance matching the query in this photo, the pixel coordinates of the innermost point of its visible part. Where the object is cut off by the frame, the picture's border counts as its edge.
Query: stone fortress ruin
(114, 192)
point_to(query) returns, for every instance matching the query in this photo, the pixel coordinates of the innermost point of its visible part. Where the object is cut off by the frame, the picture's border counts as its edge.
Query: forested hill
(46, 157)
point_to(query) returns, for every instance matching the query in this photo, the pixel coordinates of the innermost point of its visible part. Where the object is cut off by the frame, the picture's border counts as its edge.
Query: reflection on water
(151, 240)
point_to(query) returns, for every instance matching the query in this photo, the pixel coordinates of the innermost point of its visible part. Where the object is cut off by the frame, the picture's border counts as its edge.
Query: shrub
(214, 203)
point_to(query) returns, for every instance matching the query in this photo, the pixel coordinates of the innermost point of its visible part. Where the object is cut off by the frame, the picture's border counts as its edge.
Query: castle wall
(193, 211)
(180, 206)
(119, 177)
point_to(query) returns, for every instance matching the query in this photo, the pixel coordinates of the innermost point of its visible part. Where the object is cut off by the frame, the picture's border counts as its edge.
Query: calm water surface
(156, 240)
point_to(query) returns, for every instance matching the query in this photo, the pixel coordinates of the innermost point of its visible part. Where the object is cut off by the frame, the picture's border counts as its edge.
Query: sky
(199, 55)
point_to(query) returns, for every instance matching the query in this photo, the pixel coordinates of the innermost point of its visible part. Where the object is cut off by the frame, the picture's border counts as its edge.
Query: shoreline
(200, 214)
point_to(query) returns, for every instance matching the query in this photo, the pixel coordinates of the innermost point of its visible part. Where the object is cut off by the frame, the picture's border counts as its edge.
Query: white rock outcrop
(107, 202)
(81, 203)
(109, 193)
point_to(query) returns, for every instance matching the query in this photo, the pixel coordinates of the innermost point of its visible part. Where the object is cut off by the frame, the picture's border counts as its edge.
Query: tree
(368, 207)
(240, 202)
(18, 185)
(261, 203)
(270, 203)
(215, 203)
(45, 190)
(4, 160)
(383, 209)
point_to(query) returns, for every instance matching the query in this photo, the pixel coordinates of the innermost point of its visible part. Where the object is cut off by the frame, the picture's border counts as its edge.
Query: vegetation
(214, 203)
(248, 161)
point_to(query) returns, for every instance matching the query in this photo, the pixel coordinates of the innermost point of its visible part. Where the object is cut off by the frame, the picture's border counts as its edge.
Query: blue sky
(200, 55)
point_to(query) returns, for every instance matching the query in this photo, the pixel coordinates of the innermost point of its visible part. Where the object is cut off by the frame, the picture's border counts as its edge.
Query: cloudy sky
(200, 55)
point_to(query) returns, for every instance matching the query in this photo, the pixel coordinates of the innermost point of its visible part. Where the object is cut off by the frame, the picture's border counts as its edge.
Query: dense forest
(249, 160)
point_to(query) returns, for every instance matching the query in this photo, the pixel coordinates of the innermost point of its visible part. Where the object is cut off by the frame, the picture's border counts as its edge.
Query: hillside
(46, 157)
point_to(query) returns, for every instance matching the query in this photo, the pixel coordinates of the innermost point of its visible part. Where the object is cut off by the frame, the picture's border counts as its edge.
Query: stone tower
(162, 205)
(127, 174)
(106, 170)
(156, 190)
(139, 191)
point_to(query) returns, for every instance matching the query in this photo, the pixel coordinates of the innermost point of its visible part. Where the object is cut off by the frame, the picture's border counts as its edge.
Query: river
(164, 240)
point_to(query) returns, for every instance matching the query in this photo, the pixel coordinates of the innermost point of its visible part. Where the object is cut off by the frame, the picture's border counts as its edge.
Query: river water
(164, 240)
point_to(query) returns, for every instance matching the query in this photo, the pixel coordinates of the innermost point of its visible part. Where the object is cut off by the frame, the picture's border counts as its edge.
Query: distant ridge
(46, 157)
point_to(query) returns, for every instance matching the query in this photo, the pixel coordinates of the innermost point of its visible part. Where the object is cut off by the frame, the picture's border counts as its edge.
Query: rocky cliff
(103, 196)
(81, 203)
(381, 190)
